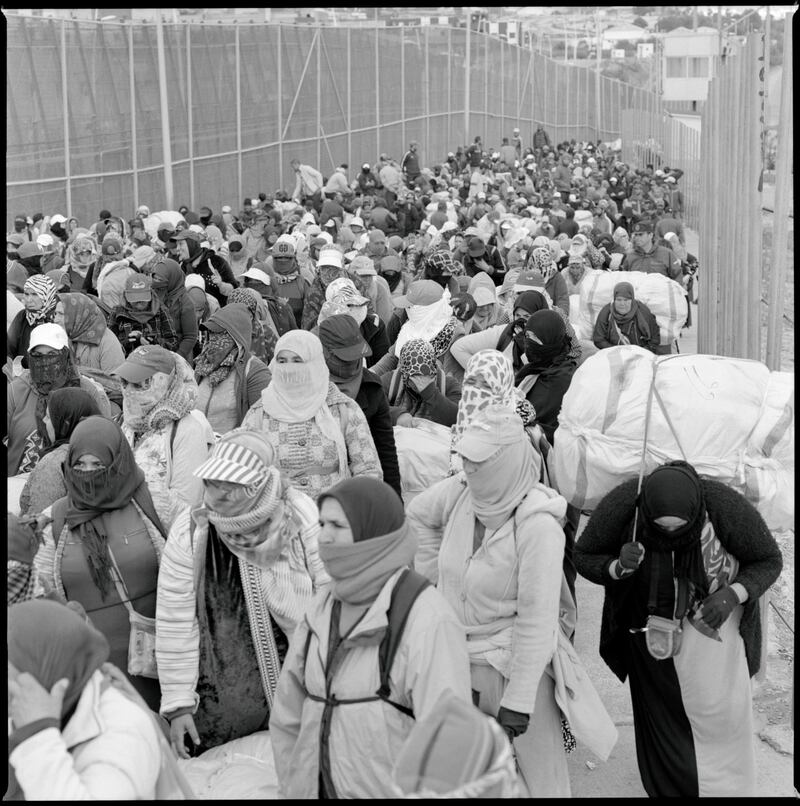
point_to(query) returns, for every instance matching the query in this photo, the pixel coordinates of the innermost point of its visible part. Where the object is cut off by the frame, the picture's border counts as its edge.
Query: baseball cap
(283, 248)
(490, 431)
(341, 335)
(642, 226)
(344, 290)
(483, 295)
(58, 219)
(187, 235)
(29, 249)
(44, 240)
(377, 236)
(195, 281)
(141, 255)
(390, 263)
(112, 245)
(476, 247)
(395, 242)
(226, 208)
(362, 264)
(528, 280)
(330, 257)
(144, 362)
(257, 274)
(670, 179)
(48, 335)
(420, 292)
(16, 239)
(365, 165)
(357, 222)
(138, 288)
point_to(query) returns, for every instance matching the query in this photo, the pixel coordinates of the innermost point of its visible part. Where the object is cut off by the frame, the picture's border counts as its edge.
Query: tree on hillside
(640, 23)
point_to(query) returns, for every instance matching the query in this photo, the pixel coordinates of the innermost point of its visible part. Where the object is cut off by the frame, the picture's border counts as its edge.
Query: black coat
(375, 406)
(548, 392)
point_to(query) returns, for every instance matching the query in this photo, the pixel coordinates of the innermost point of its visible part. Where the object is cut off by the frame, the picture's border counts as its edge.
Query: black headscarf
(67, 407)
(372, 507)
(546, 342)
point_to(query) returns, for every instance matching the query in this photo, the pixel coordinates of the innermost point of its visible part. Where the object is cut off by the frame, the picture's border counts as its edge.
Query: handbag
(142, 640)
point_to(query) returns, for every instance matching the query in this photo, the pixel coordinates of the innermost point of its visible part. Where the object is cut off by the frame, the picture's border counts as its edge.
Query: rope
(780, 615)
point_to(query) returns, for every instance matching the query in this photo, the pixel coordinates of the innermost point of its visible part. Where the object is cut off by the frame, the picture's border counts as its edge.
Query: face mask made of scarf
(542, 355)
(87, 482)
(343, 369)
(137, 404)
(217, 358)
(293, 375)
(49, 372)
(327, 274)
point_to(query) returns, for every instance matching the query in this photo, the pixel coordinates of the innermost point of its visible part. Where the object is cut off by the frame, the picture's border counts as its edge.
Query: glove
(717, 607)
(631, 556)
(512, 722)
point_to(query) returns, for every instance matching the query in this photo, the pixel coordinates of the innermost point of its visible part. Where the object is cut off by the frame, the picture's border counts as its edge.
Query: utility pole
(598, 82)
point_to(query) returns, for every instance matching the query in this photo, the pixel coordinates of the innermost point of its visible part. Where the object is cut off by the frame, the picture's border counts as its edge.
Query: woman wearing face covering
(491, 539)
(263, 332)
(625, 320)
(331, 735)
(226, 370)
(546, 377)
(71, 735)
(697, 551)
(66, 407)
(541, 260)
(105, 527)
(169, 285)
(419, 387)
(51, 367)
(344, 350)
(40, 300)
(319, 434)
(94, 345)
(169, 437)
(236, 577)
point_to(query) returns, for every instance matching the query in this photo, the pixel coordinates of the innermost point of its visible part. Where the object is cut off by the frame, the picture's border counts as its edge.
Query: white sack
(733, 418)
(664, 297)
(155, 220)
(423, 453)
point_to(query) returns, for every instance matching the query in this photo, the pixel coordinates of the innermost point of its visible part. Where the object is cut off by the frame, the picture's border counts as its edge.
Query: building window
(698, 67)
(676, 67)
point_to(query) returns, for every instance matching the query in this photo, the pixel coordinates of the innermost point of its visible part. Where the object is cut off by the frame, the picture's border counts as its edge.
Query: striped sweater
(282, 590)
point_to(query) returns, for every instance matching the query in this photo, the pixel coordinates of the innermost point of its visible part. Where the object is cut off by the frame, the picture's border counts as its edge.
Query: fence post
(467, 65)
(427, 160)
(238, 109)
(319, 99)
(166, 143)
(377, 90)
(403, 135)
(189, 115)
(783, 195)
(65, 81)
(280, 104)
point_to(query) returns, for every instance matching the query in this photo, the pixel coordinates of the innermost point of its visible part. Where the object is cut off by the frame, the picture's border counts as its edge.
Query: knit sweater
(739, 528)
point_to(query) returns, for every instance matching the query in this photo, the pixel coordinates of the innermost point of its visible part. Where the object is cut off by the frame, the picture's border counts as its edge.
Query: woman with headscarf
(695, 552)
(238, 258)
(66, 407)
(541, 260)
(105, 539)
(169, 285)
(236, 577)
(81, 255)
(420, 387)
(345, 350)
(229, 377)
(93, 344)
(72, 736)
(170, 438)
(625, 320)
(203, 305)
(51, 367)
(488, 311)
(332, 735)
(319, 434)
(546, 377)
(266, 327)
(40, 299)
(330, 266)
(491, 540)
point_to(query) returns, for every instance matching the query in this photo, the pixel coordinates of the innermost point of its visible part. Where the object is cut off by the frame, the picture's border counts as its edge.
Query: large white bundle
(155, 220)
(664, 297)
(16, 484)
(242, 769)
(423, 453)
(734, 420)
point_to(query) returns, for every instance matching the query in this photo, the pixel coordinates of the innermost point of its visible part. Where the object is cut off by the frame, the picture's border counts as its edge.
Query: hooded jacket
(167, 274)
(248, 376)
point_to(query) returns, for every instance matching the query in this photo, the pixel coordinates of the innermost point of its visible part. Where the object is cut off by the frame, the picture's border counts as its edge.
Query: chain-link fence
(99, 115)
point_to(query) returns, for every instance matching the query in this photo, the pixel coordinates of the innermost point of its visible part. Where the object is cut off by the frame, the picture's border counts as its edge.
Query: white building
(623, 33)
(688, 61)
(645, 50)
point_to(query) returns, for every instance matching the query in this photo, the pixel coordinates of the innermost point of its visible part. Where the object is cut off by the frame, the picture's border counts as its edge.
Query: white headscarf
(425, 321)
(297, 392)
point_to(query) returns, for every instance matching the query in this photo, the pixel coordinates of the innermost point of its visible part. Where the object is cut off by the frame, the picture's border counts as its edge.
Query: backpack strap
(59, 515)
(408, 587)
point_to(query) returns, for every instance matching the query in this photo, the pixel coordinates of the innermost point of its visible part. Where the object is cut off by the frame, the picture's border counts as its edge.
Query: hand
(405, 420)
(513, 722)
(178, 729)
(631, 556)
(143, 340)
(420, 382)
(215, 276)
(30, 701)
(717, 607)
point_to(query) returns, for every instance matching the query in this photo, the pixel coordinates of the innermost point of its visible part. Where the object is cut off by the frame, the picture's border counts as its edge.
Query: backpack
(408, 587)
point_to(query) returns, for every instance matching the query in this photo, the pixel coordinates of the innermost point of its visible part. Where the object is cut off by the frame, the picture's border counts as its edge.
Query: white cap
(484, 295)
(226, 208)
(330, 257)
(257, 274)
(196, 228)
(669, 236)
(58, 219)
(45, 239)
(357, 222)
(48, 335)
(195, 281)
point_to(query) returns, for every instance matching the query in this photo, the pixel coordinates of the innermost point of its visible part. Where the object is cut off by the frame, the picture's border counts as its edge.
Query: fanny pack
(663, 635)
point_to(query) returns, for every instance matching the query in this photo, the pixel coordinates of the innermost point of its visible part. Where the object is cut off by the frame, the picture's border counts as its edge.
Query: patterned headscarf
(82, 251)
(217, 358)
(263, 338)
(83, 320)
(45, 289)
(541, 260)
(488, 381)
(417, 358)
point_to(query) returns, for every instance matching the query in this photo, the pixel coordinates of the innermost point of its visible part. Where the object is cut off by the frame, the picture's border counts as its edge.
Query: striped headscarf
(45, 289)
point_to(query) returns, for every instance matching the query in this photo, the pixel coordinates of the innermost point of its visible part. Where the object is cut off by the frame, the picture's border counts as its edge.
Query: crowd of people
(213, 522)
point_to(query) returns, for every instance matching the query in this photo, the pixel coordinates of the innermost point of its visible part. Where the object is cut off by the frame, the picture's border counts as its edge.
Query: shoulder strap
(59, 513)
(172, 436)
(408, 587)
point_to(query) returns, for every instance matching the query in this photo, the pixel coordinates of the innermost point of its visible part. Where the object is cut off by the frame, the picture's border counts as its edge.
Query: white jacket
(109, 750)
(507, 594)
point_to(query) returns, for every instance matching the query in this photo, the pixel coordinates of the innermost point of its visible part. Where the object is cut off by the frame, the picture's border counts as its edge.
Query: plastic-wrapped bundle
(733, 419)
(664, 297)
(155, 220)
(423, 454)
